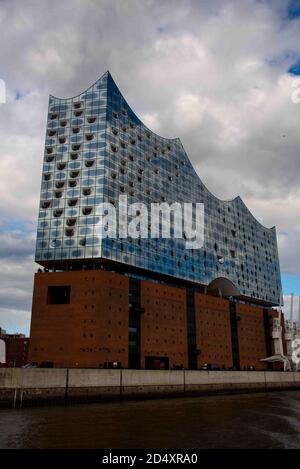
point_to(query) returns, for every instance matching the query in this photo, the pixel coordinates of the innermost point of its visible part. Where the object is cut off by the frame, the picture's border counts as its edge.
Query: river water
(247, 421)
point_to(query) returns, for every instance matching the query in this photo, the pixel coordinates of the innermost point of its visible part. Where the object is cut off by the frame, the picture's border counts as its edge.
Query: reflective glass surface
(96, 150)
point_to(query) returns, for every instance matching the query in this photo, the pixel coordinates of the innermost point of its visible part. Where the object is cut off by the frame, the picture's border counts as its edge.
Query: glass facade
(96, 150)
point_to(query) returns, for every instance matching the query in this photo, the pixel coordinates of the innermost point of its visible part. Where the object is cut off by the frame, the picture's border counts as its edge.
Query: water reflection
(248, 421)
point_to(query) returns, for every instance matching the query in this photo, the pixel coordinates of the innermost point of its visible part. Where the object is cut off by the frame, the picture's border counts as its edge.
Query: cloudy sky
(218, 74)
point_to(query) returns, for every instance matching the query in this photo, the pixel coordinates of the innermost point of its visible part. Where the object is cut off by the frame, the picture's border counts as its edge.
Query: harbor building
(106, 297)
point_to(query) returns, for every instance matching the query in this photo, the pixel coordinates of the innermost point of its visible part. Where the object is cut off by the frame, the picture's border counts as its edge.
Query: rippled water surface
(247, 421)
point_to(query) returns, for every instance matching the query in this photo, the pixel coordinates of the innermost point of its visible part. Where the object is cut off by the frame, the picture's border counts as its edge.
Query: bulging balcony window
(87, 210)
(71, 221)
(72, 202)
(86, 191)
(91, 120)
(57, 213)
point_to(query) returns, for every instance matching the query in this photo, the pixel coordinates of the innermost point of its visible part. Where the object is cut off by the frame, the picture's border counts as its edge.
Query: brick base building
(97, 318)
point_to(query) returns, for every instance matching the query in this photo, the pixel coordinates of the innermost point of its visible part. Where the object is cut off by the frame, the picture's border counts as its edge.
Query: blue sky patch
(294, 9)
(19, 94)
(161, 29)
(290, 284)
(295, 69)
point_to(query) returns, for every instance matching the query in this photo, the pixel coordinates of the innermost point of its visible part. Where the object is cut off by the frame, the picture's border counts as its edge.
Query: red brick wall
(163, 323)
(93, 328)
(89, 331)
(251, 334)
(213, 330)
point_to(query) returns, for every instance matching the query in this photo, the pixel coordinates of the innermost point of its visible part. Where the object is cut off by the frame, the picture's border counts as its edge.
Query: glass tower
(97, 149)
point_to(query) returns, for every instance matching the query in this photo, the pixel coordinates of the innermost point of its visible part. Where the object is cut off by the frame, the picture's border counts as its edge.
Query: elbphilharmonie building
(97, 150)
(109, 297)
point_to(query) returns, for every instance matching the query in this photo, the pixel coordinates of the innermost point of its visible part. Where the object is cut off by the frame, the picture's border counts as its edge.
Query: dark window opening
(59, 295)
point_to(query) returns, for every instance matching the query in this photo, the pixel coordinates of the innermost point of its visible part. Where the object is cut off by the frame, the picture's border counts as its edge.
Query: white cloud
(212, 73)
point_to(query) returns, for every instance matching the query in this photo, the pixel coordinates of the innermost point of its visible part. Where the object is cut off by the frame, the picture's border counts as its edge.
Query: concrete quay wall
(22, 387)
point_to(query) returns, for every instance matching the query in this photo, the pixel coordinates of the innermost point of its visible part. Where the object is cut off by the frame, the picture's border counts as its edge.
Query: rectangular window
(59, 295)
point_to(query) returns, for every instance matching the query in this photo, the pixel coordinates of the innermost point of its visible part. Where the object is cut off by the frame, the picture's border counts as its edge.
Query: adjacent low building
(14, 349)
